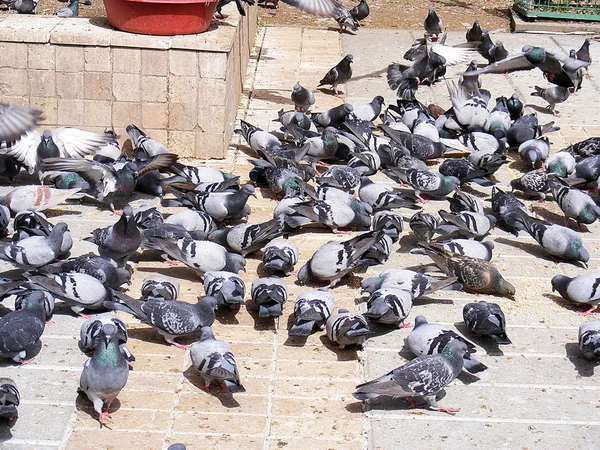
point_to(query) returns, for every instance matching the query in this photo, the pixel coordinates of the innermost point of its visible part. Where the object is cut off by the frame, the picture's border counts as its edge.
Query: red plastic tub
(162, 17)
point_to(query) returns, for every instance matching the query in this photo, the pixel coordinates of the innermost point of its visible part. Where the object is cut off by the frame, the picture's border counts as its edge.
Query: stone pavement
(536, 393)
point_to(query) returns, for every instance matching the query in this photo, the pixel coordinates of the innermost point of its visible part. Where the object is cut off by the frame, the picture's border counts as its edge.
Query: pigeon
(347, 328)
(228, 288)
(505, 207)
(535, 183)
(431, 338)
(109, 185)
(423, 225)
(476, 275)
(119, 241)
(36, 251)
(79, 290)
(475, 33)
(71, 10)
(339, 74)
(247, 238)
(433, 25)
(221, 205)
(17, 120)
(490, 51)
(32, 223)
(486, 319)
(515, 107)
(470, 248)
(561, 163)
(434, 185)
(146, 216)
(203, 256)
(200, 174)
(470, 109)
(342, 177)
(391, 223)
(465, 171)
(553, 95)
(213, 360)
(9, 166)
(20, 330)
(382, 196)
(32, 148)
(303, 98)
(160, 287)
(574, 203)
(280, 256)
(145, 144)
(170, 319)
(582, 289)
(390, 306)
(470, 83)
(9, 401)
(91, 329)
(192, 220)
(311, 308)
(360, 12)
(369, 111)
(467, 224)
(588, 168)
(105, 374)
(423, 377)
(36, 198)
(525, 128)
(416, 283)
(500, 120)
(558, 241)
(269, 294)
(104, 269)
(463, 202)
(589, 339)
(366, 163)
(240, 8)
(334, 260)
(333, 117)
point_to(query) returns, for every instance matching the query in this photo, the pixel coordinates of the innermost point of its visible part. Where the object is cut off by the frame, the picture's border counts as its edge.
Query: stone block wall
(182, 90)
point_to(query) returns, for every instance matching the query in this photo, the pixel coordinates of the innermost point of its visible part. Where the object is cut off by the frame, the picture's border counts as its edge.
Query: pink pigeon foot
(336, 231)
(105, 418)
(587, 312)
(171, 262)
(85, 316)
(406, 325)
(24, 362)
(181, 346)
(445, 409)
(115, 212)
(421, 199)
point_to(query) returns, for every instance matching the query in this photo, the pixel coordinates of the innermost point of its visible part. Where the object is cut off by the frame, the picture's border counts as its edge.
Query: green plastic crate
(559, 9)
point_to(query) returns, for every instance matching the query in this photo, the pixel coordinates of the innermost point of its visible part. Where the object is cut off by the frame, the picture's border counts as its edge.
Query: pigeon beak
(107, 338)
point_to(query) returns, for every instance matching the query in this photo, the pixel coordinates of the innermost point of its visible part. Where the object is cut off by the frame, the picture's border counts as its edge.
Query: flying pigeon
(145, 144)
(16, 121)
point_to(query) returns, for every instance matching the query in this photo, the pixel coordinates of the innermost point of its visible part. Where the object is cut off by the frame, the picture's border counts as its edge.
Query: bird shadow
(340, 31)
(295, 341)
(533, 249)
(540, 109)
(380, 329)
(261, 323)
(348, 353)
(227, 316)
(389, 404)
(149, 335)
(488, 344)
(563, 303)
(584, 367)
(374, 74)
(225, 397)
(83, 404)
(271, 96)
(182, 272)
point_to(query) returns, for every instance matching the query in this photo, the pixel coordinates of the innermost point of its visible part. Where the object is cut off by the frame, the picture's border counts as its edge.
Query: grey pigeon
(366, 163)
(515, 106)
(476, 275)
(390, 305)
(470, 247)
(535, 183)
(342, 177)
(192, 220)
(420, 147)
(105, 374)
(170, 319)
(347, 328)
(214, 361)
(160, 287)
(432, 184)
(104, 269)
(144, 143)
(36, 251)
(269, 294)
(431, 338)
(433, 24)
(91, 329)
(79, 290)
(228, 288)
(71, 10)
(198, 174)
(369, 111)
(582, 289)
(391, 223)
(423, 377)
(561, 163)
(553, 95)
(303, 98)
(177, 446)
(20, 330)
(465, 171)
(147, 216)
(574, 203)
(16, 120)
(247, 238)
(560, 242)
(280, 256)
(119, 241)
(525, 128)
(10, 398)
(470, 83)
(339, 74)
(423, 225)
(470, 109)
(416, 283)
(467, 224)
(506, 208)
(332, 9)
(360, 11)
(332, 261)
(462, 202)
(333, 117)
(222, 205)
(34, 223)
(382, 196)
(335, 213)
(203, 256)
(589, 339)
(534, 152)
(29, 292)
(486, 319)
(311, 308)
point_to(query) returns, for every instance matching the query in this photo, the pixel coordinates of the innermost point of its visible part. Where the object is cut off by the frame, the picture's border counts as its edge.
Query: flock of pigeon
(210, 236)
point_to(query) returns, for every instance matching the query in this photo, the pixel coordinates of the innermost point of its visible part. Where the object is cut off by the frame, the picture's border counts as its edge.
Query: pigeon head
(123, 276)
(590, 213)
(349, 58)
(206, 333)
(304, 274)
(297, 87)
(505, 289)
(219, 237)
(560, 284)
(379, 100)
(109, 331)
(235, 263)
(420, 320)
(572, 53)
(454, 349)
(371, 284)
(249, 189)
(36, 300)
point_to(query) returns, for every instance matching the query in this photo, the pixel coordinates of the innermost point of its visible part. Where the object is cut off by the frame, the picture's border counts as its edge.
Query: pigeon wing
(321, 8)
(25, 150)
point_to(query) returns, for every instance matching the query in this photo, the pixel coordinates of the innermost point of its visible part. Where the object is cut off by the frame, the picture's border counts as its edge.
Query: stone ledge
(522, 24)
(183, 90)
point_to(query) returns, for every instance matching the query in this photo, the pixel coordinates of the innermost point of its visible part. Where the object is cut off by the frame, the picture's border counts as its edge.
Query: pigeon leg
(445, 409)
(336, 231)
(181, 346)
(411, 403)
(171, 262)
(588, 311)
(588, 75)
(24, 362)
(421, 199)
(405, 325)
(104, 418)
